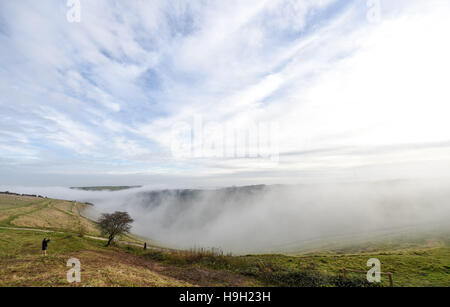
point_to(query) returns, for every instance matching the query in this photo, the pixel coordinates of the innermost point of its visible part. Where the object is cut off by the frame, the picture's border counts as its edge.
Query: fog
(268, 218)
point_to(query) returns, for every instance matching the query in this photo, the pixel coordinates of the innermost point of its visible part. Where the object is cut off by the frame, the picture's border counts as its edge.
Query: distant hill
(106, 188)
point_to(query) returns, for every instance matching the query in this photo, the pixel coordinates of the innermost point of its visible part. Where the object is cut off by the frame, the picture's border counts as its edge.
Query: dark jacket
(44, 244)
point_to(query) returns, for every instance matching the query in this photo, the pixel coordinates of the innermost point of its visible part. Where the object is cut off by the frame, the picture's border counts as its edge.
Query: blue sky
(96, 102)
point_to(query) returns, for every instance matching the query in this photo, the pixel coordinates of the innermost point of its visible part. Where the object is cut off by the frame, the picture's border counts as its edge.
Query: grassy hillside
(44, 213)
(415, 260)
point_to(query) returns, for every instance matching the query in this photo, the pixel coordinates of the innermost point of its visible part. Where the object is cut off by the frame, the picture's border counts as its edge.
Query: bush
(306, 278)
(81, 231)
(340, 281)
(156, 255)
(312, 278)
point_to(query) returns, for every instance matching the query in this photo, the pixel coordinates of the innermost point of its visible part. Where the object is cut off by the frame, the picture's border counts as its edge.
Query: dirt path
(90, 237)
(30, 229)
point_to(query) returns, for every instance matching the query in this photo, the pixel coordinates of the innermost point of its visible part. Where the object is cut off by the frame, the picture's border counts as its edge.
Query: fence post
(391, 283)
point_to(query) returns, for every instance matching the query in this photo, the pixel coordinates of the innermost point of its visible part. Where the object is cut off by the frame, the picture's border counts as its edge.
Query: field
(44, 213)
(415, 260)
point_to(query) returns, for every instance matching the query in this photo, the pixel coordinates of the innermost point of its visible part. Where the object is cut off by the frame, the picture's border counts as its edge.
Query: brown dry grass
(32, 212)
(98, 269)
(19, 210)
(11, 201)
(46, 218)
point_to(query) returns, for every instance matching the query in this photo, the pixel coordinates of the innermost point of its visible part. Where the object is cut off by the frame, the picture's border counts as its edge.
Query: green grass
(13, 201)
(17, 243)
(33, 208)
(410, 268)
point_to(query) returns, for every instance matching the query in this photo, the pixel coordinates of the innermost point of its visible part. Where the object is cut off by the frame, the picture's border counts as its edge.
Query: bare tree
(115, 224)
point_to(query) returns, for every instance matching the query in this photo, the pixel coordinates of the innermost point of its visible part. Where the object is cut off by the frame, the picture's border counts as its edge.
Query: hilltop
(106, 188)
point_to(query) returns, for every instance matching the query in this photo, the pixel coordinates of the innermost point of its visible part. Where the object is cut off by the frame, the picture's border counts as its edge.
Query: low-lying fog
(267, 218)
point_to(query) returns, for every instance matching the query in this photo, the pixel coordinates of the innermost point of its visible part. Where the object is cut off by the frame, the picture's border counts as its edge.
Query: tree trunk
(109, 241)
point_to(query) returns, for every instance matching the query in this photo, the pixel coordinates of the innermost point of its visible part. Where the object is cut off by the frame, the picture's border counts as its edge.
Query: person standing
(145, 245)
(44, 246)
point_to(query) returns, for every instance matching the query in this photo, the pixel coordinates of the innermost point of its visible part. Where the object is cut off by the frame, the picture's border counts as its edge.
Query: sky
(216, 93)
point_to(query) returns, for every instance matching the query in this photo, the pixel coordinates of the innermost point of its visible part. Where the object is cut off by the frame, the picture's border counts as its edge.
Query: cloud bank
(273, 218)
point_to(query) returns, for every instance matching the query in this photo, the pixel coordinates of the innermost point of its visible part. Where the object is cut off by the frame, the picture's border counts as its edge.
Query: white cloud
(113, 86)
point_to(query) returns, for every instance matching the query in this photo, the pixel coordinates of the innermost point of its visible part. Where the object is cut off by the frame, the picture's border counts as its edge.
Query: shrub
(306, 278)
(310, 277)
(81, 231)
(340, 281)
(156, 255)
